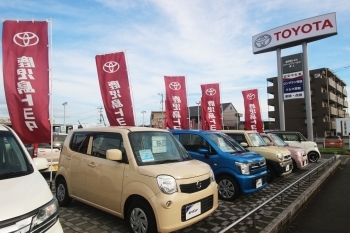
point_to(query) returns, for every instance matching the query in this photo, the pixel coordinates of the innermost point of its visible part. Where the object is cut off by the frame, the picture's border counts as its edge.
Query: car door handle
(68, 157)
(91, 165)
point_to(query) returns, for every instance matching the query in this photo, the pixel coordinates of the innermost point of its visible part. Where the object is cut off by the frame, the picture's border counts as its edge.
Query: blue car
(237, 171)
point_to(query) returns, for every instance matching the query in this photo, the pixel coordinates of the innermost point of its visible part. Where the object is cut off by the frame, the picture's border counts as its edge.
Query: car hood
(264, 150)
(245, 157)
(178, 170)
(22, 195)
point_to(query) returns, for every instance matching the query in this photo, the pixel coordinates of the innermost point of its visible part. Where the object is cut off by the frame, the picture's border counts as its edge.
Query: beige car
(143, 175)
(278, 160)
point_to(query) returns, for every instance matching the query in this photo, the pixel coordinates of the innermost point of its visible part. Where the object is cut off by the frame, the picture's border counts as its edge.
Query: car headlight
(279, 155)
(166, 184)
(245, 168)
(47, 215)
(299, 154)
(212, 176)
(315, 145)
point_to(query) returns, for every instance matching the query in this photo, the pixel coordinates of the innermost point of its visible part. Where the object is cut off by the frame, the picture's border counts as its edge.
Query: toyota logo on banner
(25, 39)
(210, 91)
(174, 86)
(250, 96)
(111, 67)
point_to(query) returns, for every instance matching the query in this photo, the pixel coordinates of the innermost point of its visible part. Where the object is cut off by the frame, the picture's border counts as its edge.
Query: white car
(298, 140)
(26, 202)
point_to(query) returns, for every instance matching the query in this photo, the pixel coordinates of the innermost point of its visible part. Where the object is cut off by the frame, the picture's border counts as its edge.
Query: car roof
(3, 127)
(238, 131)
(118, 129)
(194, 131)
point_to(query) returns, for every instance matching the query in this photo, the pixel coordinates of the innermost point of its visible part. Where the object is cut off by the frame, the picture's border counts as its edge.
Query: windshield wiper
(168, 161)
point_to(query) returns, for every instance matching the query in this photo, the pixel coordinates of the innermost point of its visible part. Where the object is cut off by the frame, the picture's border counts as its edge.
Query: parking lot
(79, 217)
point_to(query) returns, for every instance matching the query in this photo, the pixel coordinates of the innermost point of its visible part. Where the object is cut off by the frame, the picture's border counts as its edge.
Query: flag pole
(132, 97)
(50, 97)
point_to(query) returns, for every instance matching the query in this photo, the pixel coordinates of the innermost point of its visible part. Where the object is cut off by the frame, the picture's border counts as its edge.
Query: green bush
(340, 151)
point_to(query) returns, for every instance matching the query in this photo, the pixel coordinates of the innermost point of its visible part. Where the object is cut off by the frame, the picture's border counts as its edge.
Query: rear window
(333, 137)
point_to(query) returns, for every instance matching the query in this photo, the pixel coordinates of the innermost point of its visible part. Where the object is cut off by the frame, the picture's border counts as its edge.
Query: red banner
(211, 107)
(26, 78)
(252, 116)
(115, 88)
(176, 102)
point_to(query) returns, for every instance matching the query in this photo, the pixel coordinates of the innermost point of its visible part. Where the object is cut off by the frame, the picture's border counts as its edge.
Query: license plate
(258, 182)
(54, 167)
(193, 210)
(287, 167)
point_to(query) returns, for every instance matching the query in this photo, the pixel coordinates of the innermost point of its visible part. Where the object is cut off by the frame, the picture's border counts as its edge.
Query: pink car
(298, 154)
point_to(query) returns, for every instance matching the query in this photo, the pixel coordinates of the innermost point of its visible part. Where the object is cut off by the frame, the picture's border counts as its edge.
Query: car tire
(270, 174)
(294, 166)
(62, 193)
(228, 188)
(313, 157)
(140, 217)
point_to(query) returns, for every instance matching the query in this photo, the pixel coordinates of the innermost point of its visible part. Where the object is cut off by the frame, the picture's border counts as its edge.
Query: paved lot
(79, 217)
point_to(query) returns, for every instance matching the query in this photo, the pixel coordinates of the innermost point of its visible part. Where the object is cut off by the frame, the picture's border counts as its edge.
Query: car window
(59, 138)
(238, 137)
(104, 141)
(278, 140)
(156, 147)
(13, 161)
(80, 142)
(256, 139)
(226, 143)
(266, 139)
(194, 142)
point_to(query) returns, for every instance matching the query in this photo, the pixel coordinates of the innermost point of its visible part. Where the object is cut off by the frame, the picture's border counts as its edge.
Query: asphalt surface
(329, 209)
(275, 216)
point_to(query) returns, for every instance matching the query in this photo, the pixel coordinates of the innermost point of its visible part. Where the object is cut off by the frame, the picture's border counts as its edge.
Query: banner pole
(188, 108)
(222, 108)
(51, 97)
(132, 97)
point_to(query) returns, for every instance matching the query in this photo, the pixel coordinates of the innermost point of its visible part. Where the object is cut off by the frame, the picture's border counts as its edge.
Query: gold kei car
(140, 174)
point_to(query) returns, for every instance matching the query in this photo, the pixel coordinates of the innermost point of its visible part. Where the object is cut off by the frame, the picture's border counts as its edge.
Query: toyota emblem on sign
(25, 39)
(175, 86)
(262, 41)
(250, 96)
(111, 67)
(210, 91)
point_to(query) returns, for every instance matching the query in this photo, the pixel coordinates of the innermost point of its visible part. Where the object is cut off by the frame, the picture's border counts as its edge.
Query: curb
(278, 224)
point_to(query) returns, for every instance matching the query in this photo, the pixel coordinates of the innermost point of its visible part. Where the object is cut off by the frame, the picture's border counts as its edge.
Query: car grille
(206, 204)
(254, 181)
(195, 187)
(257, 165)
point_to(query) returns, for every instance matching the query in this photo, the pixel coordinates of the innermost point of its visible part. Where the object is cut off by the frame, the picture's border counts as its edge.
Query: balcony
(271, 102)
(330, 96)
(272, 114)
(345, 92)
(340, 101)
(331, 83)
(339, 88)
(345, 104)
(270, 90)
(341, 113)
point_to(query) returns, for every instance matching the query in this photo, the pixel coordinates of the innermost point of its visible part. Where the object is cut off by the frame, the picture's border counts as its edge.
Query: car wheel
(270, 174)
(313, 157)
(140, 217)
(62, 193)
(294, 166)
(228, 188)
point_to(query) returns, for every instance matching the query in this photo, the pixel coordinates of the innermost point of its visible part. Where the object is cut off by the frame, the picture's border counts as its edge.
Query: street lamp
(64, 112)
(143, 118)
(198, 111)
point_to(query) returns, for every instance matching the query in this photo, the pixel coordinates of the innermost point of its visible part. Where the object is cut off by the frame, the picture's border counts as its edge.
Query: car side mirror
(114, 154)
(203, 151)
(270, 143)
(244, 144)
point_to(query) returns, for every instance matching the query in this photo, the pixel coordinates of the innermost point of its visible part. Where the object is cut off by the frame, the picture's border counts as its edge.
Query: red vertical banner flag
(115, 88)
(252, 116)
(211, 107)
(176, 102)
(25, 64)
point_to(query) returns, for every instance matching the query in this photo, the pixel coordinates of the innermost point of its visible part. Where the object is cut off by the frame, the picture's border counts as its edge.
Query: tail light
(35, 150)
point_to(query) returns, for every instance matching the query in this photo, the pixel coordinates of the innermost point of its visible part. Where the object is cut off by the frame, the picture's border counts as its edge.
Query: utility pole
(161, 102)
(143, 118)
(101, 116)
(199, 102)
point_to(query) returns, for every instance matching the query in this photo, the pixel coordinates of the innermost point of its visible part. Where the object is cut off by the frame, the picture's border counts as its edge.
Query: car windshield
(13, 161)
(59, 137)
(256, 139)
(278, 140)
(302, 138)
(156, 147)
(225, 143)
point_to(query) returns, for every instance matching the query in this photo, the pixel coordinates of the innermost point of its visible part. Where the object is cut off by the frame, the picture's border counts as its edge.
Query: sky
(205, 41)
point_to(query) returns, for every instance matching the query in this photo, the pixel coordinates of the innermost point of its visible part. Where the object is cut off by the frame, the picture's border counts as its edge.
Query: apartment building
(328, 102)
